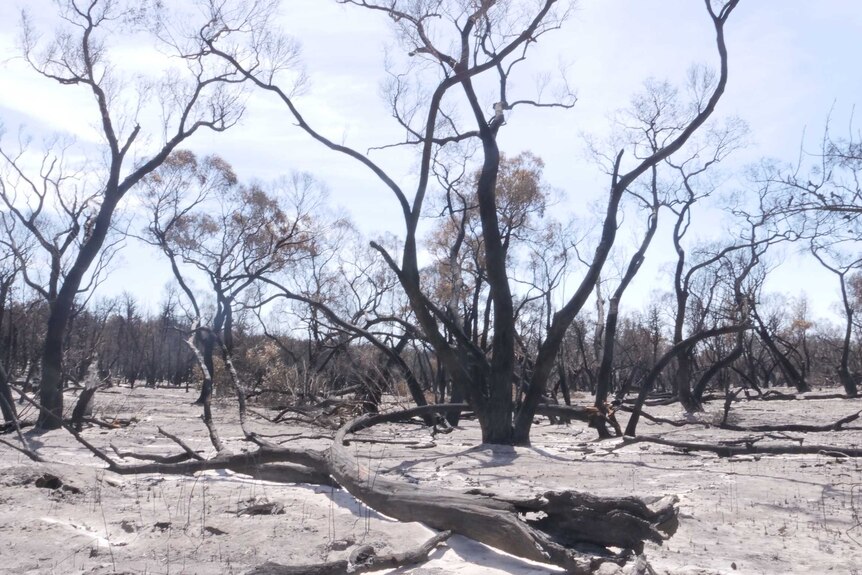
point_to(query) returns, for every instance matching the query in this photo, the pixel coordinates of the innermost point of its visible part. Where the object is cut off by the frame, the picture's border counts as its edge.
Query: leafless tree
(485, 39)
(9, 270)
(138, 133)
(821, 197)
(231, 235)
(833, 255)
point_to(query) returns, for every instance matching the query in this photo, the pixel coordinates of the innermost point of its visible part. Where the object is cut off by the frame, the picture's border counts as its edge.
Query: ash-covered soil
(745, 514)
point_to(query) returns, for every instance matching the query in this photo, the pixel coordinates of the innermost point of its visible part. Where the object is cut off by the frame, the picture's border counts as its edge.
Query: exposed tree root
(748, 446)
(800, 428)
(362, 560)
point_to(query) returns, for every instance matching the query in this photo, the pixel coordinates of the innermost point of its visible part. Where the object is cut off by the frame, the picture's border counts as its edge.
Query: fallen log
(796, 427)
(573, 531)
(403, 415)
(175, 458)
(775, 395)
(585, 414)
(747, 447)
(569, 529)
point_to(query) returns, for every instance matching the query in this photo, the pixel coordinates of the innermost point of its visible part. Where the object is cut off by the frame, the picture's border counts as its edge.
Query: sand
(746, 514)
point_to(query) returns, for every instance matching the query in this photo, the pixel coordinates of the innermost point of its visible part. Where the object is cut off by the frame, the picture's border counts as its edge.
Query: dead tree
(483, 47)
(821, 195)
(828, 251)
(8, 275)
(205, 97)
(682, 347)
(234, 235)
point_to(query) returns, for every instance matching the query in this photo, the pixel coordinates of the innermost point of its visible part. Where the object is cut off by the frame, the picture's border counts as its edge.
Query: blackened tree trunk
(681, 378)
(220, 334)
(563, 380)
(51, 386)
(822, 253)
(7, 405)
(603, 387)
(207, 340)
(715, 369)
(846, 378)
(791, 374)
(682, 381)
(619, 183)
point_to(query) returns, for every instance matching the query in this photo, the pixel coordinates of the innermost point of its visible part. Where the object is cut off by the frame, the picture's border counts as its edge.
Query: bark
(682, 382)
(279, 472)
(493, 400)
(604, 384)
(563, 381)
(205, 359)
(7, 405)
(51, 384)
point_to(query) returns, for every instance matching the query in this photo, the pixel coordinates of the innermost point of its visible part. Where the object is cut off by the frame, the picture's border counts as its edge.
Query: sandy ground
(750, 514)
